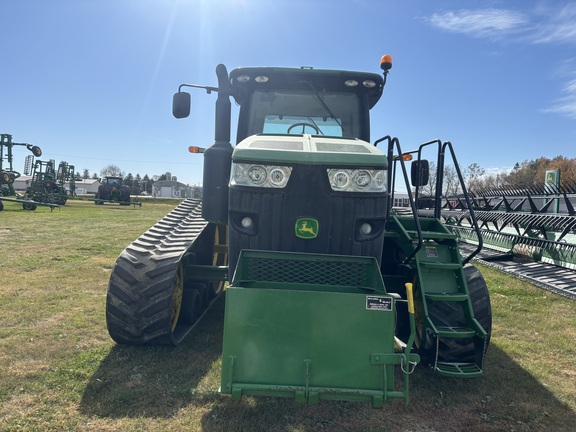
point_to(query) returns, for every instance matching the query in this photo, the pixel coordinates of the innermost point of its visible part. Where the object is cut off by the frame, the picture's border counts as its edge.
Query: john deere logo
(306, 228)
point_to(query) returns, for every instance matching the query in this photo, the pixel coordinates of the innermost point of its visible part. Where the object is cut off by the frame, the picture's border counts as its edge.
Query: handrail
(448, 145)
(394, 142)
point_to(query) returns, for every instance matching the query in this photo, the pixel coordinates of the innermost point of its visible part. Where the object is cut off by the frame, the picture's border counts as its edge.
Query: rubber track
(138, 304)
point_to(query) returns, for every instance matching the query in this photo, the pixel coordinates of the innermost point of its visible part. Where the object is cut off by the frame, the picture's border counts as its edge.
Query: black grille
(307, 272)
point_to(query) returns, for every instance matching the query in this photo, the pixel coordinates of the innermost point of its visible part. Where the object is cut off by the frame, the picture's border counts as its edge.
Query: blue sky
(91, 81)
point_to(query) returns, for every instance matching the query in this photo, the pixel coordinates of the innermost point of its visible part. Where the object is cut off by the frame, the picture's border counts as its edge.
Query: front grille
(307, 272)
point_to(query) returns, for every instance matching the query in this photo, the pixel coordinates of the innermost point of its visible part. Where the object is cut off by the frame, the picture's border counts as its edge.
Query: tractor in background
(113, 191)
(332, 292)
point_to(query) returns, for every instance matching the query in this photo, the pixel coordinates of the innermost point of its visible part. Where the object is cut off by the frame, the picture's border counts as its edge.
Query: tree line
(138, 184)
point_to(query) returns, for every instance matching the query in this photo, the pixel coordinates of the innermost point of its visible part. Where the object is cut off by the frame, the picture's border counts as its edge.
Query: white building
(174, 189)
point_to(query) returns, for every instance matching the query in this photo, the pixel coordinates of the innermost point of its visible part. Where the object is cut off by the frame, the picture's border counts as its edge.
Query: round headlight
(361, 179)
(340, 179)
(277, 177)
(379, 180)
(257, 174)
(247, 222)
(239, 175)
(365, 228)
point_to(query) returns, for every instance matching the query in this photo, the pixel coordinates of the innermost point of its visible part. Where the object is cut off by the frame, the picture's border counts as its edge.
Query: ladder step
(458, 370)
(440, 266)
(455, 332)
(447, 297)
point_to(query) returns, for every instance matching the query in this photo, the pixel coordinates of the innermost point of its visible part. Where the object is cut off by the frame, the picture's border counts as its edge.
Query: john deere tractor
(113, 190)
(329, 287)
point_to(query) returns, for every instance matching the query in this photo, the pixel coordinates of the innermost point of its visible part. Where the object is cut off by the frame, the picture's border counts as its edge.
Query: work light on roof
(369, 84)
(242, 78)
(261, 79)
(351, 83)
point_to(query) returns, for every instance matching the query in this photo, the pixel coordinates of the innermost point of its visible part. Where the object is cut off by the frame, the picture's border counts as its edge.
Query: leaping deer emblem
(305, 228)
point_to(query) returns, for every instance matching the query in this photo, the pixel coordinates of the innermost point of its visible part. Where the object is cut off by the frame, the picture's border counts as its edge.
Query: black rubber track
(139, 300)
(451, 314)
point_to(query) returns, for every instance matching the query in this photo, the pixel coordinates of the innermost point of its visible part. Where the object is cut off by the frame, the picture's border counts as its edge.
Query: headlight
(259, 175)
(357, 180)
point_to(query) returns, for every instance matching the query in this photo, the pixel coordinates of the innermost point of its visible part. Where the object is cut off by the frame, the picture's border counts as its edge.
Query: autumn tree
(530, 173)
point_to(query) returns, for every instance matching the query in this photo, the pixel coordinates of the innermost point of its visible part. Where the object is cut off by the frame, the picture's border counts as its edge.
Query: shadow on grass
(506, 398)
(156, 381)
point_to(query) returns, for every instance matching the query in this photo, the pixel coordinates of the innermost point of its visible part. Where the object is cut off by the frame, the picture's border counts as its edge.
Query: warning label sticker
(378, 303)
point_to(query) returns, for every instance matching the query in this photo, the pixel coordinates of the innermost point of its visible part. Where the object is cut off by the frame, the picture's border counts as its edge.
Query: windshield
(295, 112)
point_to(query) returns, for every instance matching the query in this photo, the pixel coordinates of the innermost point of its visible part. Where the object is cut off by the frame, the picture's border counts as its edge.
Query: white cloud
(547, 25)
(541, 27)
(557, 26)
(483, 23)
(566, 105)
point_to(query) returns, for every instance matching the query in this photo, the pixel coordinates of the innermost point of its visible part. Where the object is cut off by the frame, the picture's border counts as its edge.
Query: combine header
(331, 289)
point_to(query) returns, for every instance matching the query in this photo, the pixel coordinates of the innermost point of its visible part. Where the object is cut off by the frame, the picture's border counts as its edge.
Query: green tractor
(112, 190)
(330, 288)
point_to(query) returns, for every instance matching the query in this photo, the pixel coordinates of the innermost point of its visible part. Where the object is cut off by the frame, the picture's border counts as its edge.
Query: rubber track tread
(139, 299)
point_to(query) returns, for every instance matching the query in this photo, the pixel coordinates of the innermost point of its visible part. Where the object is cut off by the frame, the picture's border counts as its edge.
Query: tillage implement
(8, 174)
(329, 289)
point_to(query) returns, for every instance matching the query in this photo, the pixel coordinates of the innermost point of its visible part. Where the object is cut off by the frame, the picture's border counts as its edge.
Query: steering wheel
(304, 127)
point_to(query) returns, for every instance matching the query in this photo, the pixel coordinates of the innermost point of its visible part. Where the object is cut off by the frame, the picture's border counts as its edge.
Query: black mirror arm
(207, 88)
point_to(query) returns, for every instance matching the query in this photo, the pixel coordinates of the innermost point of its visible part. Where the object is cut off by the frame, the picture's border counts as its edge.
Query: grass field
(59, 370)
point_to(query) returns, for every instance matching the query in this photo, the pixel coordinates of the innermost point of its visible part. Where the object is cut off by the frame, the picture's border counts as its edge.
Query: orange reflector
(407, 157)
(386, 62)
(194, 149)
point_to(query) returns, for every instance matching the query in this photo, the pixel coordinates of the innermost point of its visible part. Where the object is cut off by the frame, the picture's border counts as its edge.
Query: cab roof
(245, 80)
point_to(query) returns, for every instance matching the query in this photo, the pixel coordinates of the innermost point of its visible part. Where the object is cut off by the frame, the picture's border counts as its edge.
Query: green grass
(59, 370)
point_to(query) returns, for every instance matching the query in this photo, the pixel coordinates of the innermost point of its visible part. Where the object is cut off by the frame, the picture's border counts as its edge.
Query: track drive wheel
(451, 314)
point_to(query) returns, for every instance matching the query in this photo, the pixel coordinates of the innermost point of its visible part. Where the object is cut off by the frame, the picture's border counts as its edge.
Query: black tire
(29, 206)
(1, 205)
(451, 314)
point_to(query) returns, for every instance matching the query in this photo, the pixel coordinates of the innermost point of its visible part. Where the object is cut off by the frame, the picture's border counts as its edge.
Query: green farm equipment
(297, 218)
(8, 174)
(47, 184)
(113, 191)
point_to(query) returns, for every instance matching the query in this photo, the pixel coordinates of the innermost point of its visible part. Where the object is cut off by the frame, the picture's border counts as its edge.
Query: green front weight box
(310, 327)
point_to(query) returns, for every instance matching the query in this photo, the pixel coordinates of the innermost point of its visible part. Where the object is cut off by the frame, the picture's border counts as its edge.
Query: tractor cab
(304, 101)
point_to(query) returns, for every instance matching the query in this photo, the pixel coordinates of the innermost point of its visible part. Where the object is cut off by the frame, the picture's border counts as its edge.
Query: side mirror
(181, 105)
(419, 173)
